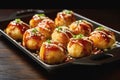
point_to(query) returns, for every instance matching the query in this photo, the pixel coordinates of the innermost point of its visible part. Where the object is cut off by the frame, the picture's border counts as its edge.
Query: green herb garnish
(41, 15)
(59, 28)
(67, 11)
(100, 28)
(34, 30)
(48, 41)
(17, 20)
(78, 22)
(79, 36)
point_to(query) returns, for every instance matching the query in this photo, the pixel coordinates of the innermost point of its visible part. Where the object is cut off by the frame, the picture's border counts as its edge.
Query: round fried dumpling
(102, 37)
(36, 19)
(33, 39)
(46, 27)
(16, 29)
(81, 27)
(62, 34)
(79, 46)
(64, 18)
(52, 52)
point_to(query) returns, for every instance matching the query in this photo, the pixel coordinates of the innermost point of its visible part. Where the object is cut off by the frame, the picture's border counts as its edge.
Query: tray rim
(44, 65)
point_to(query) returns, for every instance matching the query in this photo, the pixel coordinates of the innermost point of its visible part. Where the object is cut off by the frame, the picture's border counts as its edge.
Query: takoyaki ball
(79, 46)
(46, 27)
(107, 31)
(36, 19)
(16, 29)
(62, 34)
(52, 52)
(64, 18)
(33, 39)
(81, 27)
(102, 37)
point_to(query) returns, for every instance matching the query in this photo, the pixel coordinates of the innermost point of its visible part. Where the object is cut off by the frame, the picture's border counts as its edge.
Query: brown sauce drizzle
(53, 46)
(81, 42)
(82, 27)
(65, 31)
(103, 35)
(22, 26)
(66, 17)
(33, 35)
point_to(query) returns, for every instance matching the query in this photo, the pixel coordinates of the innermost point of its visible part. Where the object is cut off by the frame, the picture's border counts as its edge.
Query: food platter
(94, 60)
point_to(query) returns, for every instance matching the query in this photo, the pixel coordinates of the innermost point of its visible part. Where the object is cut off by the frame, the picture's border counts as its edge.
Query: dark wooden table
(16, 66)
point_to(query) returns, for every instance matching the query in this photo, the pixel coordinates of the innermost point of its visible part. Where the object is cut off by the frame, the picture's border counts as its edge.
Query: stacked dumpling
(81, 27)
(64, 18)
(102, 37)
(46, 27)
(52, 52)
(16, 29)
(79, 46)
(62, 34)
(36, 19)
(33, 39)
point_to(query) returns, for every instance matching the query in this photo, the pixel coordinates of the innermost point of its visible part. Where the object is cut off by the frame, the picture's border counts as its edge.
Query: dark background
(57, 4)
(107, 17)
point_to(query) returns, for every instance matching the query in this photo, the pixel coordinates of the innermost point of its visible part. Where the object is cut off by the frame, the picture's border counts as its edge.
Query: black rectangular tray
(94, 60)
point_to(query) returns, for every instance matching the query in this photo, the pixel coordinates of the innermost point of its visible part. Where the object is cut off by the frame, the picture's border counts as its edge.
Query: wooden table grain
(15, 65)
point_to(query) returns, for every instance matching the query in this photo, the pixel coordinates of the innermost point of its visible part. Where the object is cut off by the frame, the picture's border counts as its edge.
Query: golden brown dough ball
(62, 34)
(36, 19)
(16, 29)
(46, 27)
(64, 18)
(33, 39)
(102, 37)
(79, 46)
(81, 27)
(52, 52)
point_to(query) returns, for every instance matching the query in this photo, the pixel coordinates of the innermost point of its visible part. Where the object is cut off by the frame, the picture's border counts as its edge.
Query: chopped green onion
(59, 28)
(41, 15)
(79, 36)
(67, 11)
(100, 28)
(17, 20)
(34, 30)
(80, 21)
(48, 41)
